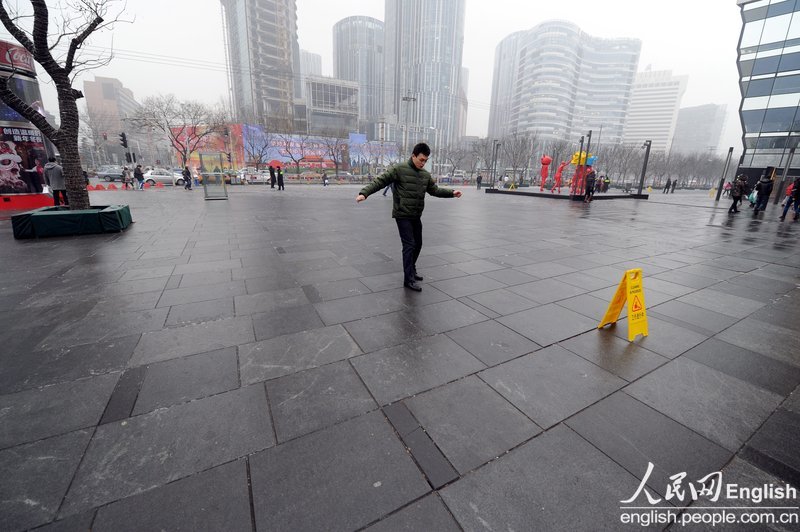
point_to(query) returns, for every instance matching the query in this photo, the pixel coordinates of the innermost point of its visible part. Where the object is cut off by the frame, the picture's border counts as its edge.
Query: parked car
(110, 173)
(161, 175)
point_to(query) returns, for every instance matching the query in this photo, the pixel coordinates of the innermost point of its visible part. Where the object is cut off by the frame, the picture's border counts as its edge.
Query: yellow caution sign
(630, 289)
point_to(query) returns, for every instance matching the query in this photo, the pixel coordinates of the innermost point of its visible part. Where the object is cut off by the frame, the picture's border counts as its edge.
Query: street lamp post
(494, 163)
(724, 172)
(646, 145)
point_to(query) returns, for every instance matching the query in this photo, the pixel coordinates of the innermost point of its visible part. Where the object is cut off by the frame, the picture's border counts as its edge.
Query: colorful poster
(22, 159)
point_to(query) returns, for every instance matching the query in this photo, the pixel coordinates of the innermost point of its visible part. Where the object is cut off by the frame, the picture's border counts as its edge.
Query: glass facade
(332, 106)
(263, 59)
(423, 74)
(358, 56)
(560, 82)
(769, 70)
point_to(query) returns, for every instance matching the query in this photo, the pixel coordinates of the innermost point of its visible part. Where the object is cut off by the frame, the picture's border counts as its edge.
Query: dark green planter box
(60, 221)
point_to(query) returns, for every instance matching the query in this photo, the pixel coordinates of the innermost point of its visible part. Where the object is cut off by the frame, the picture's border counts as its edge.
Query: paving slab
(770, 340)
(492, 343)
(291, 353)
(183, 379)
(216, 499)
(622, 358)
(634, 435)
(548, 324)
(317, 398)
(429, 513)
(416, 366)
(132, 456)
(722, 408)
(361, 473)
(31, 415)
(551, 384)
(765, 372)
(51, 366)
(574, 487)
(166, 344)
(471, 423)
(26, 500)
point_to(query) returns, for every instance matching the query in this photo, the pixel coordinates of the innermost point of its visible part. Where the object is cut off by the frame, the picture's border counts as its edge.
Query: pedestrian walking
(271, 176)
(479, 180)
(726, 189)
(667, 186)
(324, 179)
(591, 180)
(794, 199)
(764, 189)
(126, 178)
(410, 182)
(187, 178)
(737, 191)
(280, 178)
(138, 175)
(54, 177)
(674, 184)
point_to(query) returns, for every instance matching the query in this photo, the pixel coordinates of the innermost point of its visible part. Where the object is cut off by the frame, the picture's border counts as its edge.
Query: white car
(161, 175)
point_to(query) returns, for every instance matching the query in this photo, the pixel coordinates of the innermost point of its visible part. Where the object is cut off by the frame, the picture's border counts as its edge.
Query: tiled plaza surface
(256, 364)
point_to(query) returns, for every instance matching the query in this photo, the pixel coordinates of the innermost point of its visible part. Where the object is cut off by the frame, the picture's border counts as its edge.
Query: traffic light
(105, 137)
(229, 157)
(128, 156)
(123, 140)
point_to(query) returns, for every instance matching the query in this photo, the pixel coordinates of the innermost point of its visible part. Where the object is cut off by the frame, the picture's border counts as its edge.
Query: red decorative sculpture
(557, 179)
(546, 160)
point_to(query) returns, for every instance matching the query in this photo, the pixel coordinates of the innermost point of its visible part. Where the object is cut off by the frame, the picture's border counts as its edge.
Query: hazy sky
(176, 46)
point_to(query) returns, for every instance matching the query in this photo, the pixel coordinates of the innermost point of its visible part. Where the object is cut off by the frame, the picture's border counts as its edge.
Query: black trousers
(63, 194)
(410, 230)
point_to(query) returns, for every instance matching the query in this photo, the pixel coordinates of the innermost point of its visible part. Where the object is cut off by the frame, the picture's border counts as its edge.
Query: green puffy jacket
(409, 187)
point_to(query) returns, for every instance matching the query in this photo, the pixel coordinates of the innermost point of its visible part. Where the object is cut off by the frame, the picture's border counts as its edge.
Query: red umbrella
(276, 163)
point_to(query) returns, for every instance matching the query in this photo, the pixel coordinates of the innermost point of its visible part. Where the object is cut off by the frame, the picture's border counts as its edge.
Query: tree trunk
(67, 143)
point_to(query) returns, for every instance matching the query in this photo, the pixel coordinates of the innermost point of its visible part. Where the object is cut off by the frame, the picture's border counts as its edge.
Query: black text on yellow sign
(630, 289)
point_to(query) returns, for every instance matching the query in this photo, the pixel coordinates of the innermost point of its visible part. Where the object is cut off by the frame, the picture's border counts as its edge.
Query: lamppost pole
(724, 172)
(782, 187)
(646, 145)
(494, 163)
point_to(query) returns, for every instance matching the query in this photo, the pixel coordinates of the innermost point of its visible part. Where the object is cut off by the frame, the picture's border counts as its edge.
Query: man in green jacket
(410, 183)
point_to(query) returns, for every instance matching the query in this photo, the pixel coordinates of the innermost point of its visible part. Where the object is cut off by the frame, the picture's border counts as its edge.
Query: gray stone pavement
(256, 364)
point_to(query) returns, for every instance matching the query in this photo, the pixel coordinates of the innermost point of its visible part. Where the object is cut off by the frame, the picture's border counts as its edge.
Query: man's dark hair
(422, 148)
(52, 159)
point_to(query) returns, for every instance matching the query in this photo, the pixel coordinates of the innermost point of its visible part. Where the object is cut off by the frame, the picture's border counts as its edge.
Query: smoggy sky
(176, 46)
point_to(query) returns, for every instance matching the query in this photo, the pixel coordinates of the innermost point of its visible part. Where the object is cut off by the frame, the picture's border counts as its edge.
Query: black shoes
(413, 286)
(418, 277)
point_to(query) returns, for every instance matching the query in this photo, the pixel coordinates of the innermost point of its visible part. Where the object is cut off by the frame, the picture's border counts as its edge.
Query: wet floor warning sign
(630, 289)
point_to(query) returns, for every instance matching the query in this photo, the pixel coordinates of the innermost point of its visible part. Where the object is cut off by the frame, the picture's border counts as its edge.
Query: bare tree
(294, 147)
(258, 144)
(32, 31)
(336, 148)
(483, 151)
(517, 150)
(186, 124)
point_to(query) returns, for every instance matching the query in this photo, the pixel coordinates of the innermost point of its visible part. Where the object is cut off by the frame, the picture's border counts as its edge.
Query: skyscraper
(769, 61)
(424, 45)
(653, 112)
(559, 82)
(263, 59)
(358, 56)
(699, 128)
(310, 65)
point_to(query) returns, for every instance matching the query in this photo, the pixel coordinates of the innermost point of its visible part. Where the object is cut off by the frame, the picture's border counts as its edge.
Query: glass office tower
(559, 82)
(769, 66)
